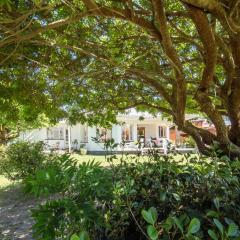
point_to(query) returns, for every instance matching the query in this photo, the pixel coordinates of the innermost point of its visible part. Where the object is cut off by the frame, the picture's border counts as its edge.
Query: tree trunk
(205, 140)
(233, 106)
(202, 147)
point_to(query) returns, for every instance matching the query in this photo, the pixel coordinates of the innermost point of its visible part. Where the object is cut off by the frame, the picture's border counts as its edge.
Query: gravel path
(15, 215)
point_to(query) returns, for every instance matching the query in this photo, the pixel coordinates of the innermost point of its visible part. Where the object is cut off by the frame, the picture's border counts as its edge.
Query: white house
(131, 128)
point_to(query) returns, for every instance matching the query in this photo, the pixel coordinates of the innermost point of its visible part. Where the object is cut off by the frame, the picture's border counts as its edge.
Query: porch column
(157, 133)
(117, 133)
(69, 140)
(168, 132)
(134, 133)
(91, 133)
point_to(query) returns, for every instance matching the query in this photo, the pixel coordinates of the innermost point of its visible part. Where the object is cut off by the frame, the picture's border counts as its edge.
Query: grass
(98, 158)
(102, 159)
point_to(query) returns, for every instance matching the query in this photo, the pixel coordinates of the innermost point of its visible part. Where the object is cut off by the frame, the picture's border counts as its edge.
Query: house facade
(131, 128)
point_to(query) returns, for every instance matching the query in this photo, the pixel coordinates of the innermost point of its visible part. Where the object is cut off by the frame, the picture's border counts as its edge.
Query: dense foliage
(21, 159)
(193, 198)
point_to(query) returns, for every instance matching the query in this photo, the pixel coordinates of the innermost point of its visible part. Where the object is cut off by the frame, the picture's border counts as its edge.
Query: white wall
(117, 133)
(61, 144)
(91, 145)
(77, 132)
(34, 135)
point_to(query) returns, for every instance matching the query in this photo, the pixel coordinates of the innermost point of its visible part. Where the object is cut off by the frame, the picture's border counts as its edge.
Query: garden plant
(193, 198)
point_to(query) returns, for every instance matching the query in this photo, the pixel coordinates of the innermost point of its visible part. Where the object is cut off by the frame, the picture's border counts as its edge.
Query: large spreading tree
(99, 57)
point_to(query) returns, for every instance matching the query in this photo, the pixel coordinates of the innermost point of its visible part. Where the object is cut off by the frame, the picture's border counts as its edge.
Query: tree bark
(234, 97)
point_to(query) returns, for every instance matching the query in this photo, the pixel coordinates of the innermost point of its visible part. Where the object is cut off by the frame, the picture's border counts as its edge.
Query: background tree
(160, 55)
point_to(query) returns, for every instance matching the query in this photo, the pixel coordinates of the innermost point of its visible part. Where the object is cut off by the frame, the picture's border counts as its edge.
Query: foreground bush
(21, 159)
(157, 199)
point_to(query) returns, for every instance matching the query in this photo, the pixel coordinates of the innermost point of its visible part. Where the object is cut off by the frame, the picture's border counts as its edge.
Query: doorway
(141, 133)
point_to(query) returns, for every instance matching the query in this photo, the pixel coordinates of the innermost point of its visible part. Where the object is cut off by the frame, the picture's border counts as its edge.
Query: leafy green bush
(83, 191)
(22, 159)
(53, 176)
(196, 198)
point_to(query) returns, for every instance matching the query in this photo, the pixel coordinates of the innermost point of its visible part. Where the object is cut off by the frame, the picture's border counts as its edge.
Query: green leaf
(194, 226)
(163, 196)
(152, 232)
(176, 196)
(216, 203)
(212, 214)
(178, 224)
(83, 236)
(232, 230)
(212, 234)
(150, 216)
(168, 224)
(219, 225)
(74, 237)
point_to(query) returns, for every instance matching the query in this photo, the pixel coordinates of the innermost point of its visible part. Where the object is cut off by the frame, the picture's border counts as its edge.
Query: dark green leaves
(232, 230)
(150, 216)
(163, 196)
(212, 234)
(108, 198)
(178, 224)
(219, 225)
(152, 232)
(194, 226)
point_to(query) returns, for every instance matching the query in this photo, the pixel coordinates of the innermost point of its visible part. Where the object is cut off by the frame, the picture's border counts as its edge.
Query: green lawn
(103, 161)
(98, 158)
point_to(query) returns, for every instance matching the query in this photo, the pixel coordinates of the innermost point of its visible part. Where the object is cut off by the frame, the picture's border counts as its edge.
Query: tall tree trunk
(234, 97)
(194, 133)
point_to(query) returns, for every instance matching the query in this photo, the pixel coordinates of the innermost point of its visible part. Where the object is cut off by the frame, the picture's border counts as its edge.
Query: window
(162, 132)
(104, 134)
(127, 132)
(55, 133)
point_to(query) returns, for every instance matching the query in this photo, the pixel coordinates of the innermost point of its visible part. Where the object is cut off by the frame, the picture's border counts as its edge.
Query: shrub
(54, 176)
(196, 198)
(22, 159)
(83, 191)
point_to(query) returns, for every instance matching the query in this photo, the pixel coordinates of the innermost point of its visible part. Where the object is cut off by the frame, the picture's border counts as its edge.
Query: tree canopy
(89, 59)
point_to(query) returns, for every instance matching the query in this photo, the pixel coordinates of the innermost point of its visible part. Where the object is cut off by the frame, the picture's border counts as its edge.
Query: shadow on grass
(15, 215)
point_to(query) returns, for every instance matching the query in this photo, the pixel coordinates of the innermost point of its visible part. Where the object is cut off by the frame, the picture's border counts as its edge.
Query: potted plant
(83, 150)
